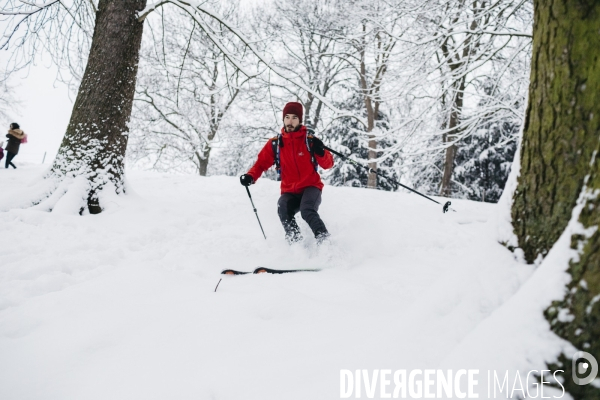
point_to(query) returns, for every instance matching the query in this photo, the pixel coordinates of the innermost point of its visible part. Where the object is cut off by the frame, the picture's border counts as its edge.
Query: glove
(318, 147)
(246, 180)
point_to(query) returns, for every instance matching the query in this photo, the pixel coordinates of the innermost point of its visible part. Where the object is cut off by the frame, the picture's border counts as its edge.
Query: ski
(263, 270)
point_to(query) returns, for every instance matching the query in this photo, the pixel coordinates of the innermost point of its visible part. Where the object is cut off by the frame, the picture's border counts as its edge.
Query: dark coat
(14, 142)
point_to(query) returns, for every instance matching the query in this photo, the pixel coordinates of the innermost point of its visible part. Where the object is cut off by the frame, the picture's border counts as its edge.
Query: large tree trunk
(560, 167)
(96, 138)
(561, 124)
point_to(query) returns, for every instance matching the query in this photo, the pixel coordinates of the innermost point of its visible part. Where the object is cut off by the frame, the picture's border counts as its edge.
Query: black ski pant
(9, 158)
(307, 203)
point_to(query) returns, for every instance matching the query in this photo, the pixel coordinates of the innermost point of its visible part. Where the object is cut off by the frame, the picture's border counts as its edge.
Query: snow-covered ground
(122, 305)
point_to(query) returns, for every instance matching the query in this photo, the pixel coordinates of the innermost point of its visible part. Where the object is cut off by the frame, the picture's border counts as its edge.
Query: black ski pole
(446, 206)
(255, 212)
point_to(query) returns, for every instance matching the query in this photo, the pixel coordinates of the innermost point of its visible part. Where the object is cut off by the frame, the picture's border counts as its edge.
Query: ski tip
(233, 272)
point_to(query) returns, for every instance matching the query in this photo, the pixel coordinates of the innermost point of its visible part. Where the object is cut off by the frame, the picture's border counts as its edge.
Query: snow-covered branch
(198, 11)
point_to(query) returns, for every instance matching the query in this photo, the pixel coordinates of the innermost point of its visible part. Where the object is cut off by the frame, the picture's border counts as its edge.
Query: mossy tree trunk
(559, 165)
(96, 138)
(562, 120)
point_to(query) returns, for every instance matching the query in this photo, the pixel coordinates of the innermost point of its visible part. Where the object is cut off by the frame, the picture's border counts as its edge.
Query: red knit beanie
(293, 108)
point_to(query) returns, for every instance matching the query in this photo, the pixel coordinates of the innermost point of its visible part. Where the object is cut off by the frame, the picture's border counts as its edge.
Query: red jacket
(297, 170)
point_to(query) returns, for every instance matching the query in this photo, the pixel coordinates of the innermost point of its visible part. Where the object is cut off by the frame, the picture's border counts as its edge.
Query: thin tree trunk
(215, 120)
(371, 116)
(450, 137)
(205, 158)
(367, 93)
(308, 119)
(446, 187)
(456, 64)
(372, 177)
(96, 138)
(560, 166)
(203, 163)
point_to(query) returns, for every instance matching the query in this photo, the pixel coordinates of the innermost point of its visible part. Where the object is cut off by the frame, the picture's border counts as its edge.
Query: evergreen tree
(484, 157)
(350, 137)
(483, 161)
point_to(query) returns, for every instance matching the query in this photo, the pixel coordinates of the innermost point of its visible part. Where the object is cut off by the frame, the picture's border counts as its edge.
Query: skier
(296, 155)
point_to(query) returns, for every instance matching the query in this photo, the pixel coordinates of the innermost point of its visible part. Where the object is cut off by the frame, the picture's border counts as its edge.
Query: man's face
(291, 122)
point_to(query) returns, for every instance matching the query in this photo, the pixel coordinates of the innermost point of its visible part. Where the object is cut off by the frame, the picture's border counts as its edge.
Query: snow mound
(121, 305)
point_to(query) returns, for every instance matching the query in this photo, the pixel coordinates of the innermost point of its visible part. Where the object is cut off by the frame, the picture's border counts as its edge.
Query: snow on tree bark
(96, 138)
(559, 160)
(562, 121)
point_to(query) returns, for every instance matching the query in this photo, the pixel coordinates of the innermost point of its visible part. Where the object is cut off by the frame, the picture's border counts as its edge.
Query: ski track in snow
(121, 305)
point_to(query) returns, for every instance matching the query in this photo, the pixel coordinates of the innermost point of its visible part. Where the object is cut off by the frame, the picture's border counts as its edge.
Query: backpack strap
(276, 143)
(313, 159)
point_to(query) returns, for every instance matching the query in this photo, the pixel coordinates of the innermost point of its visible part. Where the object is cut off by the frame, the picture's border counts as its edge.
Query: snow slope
(121, 305)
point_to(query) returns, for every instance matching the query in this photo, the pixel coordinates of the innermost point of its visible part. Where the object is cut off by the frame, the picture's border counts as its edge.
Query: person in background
(1, 150)
(14, 135)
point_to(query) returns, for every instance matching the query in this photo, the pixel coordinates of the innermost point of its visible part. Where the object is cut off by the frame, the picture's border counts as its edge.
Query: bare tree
(305, 46)
(9, 102)
(463, 49)
(60, 29)
(374, 38)
(186, 89)
(93, 149)
(469, 31)
(425, 61)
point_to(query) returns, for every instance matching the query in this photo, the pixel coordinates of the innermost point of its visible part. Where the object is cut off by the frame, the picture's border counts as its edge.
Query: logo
(450, 384)
(584, 363)
(301, 154)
